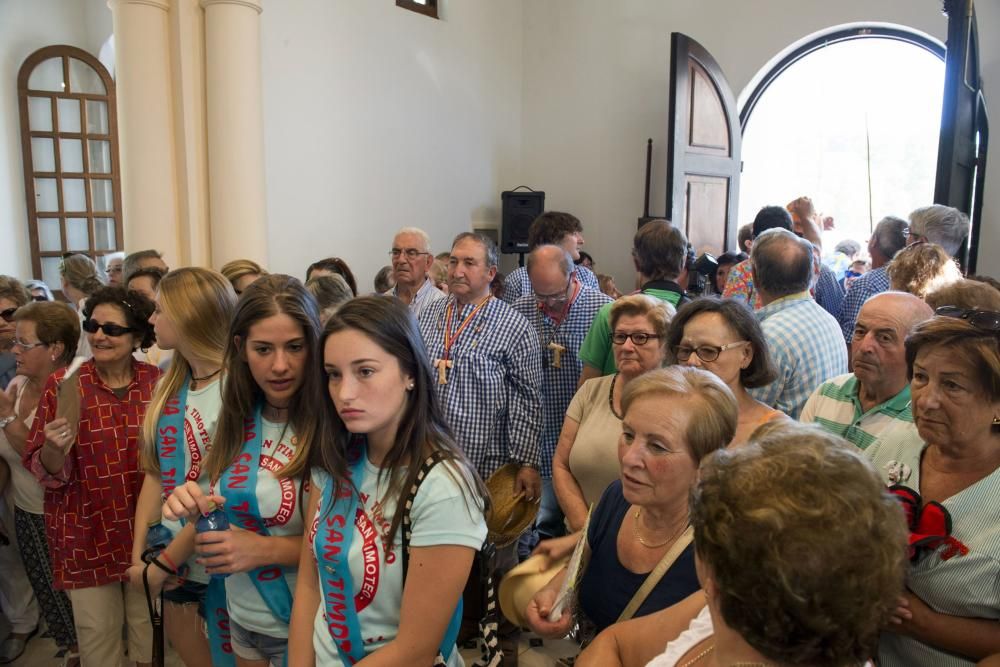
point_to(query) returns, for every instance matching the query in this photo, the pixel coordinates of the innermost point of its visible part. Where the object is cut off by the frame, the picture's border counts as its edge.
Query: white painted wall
(25, 27)
(377, 118)
(596, 86)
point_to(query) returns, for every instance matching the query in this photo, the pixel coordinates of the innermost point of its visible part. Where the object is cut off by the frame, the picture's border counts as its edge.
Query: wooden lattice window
(69, 141)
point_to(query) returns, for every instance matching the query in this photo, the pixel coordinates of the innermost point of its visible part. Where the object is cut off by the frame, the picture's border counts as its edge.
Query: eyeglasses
(638, 338)
(411, 253)
(706, 353)
(27, 347)
(40, 297)
(113, 330)
(8, 315)
(557, 298)
(987, 320)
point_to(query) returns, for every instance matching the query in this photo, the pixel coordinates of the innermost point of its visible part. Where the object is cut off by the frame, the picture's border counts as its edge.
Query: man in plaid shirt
(561, 311)
(804, 340)
(488, 367)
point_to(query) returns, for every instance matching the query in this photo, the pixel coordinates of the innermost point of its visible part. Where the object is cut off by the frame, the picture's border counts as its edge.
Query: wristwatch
(4, 421)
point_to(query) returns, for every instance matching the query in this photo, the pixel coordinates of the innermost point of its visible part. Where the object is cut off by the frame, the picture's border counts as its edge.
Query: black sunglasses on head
(987, 320)
(8, 315)
(114, 330)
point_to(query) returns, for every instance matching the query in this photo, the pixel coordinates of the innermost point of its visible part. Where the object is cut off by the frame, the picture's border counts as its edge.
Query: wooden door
(703, 149)
(961, 168)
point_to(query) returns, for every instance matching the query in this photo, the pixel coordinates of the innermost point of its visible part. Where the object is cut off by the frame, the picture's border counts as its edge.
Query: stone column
(235, 130)
(146, 126)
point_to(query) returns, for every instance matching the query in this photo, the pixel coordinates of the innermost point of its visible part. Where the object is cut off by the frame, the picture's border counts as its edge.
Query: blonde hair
(200, 302)
(712, 422)
(921, 269)
(659, 313)
(80, 272)
(239, 268)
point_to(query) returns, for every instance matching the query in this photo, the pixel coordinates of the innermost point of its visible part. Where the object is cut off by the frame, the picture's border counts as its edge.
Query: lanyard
(450, 339)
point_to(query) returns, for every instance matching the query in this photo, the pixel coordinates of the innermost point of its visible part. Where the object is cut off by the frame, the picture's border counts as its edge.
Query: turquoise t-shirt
(442, 514)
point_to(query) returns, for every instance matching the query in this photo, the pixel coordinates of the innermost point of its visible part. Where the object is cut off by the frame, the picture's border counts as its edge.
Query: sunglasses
(986, 320)
(8, 315)
(113, 330)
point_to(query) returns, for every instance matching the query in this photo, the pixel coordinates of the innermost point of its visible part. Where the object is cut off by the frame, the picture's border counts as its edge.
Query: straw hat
(520, 585)
(510, 514)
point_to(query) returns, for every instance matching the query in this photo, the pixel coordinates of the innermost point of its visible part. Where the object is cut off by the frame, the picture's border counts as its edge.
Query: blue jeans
(251, 645)
(549, 523)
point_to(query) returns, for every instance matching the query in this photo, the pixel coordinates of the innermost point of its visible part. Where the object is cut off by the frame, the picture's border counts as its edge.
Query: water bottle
(158, 537)
(216, 519)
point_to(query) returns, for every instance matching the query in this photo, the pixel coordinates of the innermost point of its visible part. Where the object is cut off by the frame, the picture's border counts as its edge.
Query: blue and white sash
(239, 486)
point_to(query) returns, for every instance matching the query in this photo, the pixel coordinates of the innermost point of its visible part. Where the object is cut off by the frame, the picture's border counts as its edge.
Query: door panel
(703, 149)
(964, 125)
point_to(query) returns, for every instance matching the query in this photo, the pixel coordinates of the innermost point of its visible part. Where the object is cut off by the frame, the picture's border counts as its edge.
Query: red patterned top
(90, 503)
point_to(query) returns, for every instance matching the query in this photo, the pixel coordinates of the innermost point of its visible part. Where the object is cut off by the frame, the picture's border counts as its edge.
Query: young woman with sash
(274, 409)
(193, 310)
(362, 596)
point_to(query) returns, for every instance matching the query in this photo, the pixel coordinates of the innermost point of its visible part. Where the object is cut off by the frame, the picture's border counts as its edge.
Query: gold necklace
(733, 664)
(698, 657)
(635, 531)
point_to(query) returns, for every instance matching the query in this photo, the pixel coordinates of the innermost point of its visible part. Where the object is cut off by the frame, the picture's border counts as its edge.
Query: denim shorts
(190, 592)
(251, 645)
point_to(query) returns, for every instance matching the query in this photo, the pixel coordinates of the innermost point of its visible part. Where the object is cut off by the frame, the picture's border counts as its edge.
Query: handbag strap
(654, 577)
(435, 457)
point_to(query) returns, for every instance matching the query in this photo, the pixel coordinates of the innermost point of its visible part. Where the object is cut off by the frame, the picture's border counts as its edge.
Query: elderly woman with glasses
(724, 337)
(585, 461)
(951, 489)
(46, 335)
(84, 449)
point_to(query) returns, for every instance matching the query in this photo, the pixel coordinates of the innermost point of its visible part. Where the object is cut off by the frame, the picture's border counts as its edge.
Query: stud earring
(410, 387)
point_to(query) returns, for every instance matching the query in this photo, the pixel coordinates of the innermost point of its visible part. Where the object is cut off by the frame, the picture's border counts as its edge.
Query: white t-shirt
(278, 501)
(201, 415)
(441, 515)
(28, 494)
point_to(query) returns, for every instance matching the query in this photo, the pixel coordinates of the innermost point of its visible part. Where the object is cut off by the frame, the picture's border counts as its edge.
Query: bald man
(560, 309)
(872, 404)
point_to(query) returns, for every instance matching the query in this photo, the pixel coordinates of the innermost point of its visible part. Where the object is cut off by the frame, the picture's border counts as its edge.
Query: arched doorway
(851, 118)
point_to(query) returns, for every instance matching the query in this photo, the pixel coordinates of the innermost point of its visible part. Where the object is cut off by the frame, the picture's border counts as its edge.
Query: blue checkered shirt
(807, 349)
(863, 288)
(517, 284)
(493, 396)
(829, 291)
(559, 384)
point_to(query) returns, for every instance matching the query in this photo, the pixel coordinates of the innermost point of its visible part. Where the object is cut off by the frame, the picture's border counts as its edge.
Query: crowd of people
(797, 463)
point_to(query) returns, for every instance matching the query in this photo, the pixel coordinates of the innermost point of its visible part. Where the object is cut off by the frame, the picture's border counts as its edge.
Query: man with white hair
(411, 262)
(944, 225)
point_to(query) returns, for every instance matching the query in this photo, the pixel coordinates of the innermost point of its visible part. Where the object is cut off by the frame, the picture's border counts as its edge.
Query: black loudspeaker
(518, 212)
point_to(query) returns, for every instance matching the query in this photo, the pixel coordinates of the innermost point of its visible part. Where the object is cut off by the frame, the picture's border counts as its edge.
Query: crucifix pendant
(557, 351)
(443, 365)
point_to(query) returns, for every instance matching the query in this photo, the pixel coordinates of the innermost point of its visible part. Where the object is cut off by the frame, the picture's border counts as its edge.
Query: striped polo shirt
(836, 407)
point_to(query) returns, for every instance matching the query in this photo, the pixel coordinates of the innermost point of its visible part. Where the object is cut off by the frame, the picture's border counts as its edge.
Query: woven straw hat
(520, 585)
(510, 514)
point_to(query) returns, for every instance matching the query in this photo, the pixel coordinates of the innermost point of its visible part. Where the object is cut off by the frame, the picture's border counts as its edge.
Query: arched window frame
(49, 256)
(827, 38)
